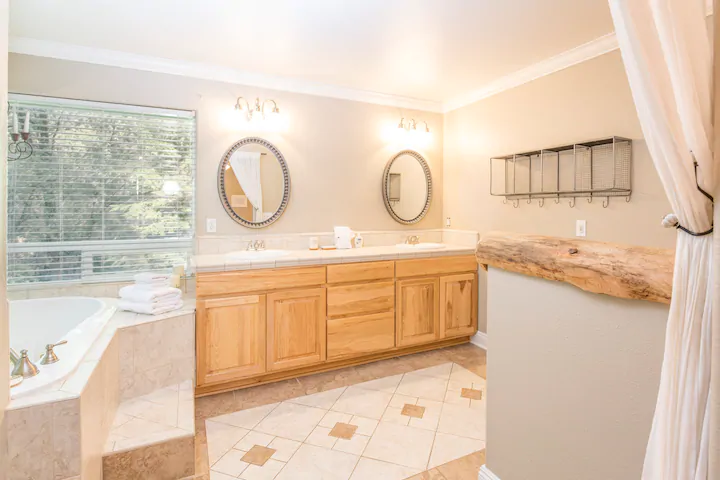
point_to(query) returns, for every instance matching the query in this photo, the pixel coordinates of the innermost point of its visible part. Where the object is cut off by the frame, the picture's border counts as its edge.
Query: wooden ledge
(624, 271)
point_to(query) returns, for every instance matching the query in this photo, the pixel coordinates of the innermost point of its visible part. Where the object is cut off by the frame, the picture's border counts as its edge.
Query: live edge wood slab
(624, 271)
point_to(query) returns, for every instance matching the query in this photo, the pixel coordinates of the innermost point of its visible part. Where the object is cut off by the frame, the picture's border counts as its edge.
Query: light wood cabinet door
(296, 328)
(417, 311)
(230, 338)
(458, 305)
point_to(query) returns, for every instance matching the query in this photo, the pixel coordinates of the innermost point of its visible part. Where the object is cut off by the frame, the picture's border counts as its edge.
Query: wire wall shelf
(599, 168)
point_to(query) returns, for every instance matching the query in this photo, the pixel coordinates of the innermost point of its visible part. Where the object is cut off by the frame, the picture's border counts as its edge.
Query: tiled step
(153, 434)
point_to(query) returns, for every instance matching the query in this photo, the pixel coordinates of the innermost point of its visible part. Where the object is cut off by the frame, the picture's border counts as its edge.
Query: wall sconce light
(258, 109)
(19, 149)
(412, 125)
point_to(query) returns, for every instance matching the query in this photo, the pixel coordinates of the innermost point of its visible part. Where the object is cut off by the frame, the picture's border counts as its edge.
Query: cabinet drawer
(223, 283)
(435, 266)
(360, 272)
(360, 298)
(360, 335)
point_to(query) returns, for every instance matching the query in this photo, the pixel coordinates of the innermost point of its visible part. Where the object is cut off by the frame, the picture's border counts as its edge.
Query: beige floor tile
(246, 418)
(430, 418)
(219, 476)
(462, 374)
(419, 386)
(317, 463)
(471, 393)
(331, 418)
(433, 474)
(343, 430)
(320, 437)
(366, 426)
(253, 438)
(462, 421)
(400, 401)
(221, 438)
(439, 371)
(324, 400)
(394, 415)
(413, 411)
(369, 469)
(385, 384)
(291, 421)
(454, 397)
(450, 447)
(407, 446)
(464, 467)
(458, 385)
(362, 402)
(231, 463)
(356, 445)
(284, 448)
(478, 404)
(266, 472)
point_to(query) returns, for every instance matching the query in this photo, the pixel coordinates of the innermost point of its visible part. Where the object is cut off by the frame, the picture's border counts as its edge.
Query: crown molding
(587, 51)
(114, 58)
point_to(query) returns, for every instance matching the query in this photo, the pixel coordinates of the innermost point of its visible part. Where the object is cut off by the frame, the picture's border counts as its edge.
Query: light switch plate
(211, 225)
(581, 228)
(447, 222)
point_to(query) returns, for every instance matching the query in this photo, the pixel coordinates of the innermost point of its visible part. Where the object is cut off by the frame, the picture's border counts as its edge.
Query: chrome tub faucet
(22, 366)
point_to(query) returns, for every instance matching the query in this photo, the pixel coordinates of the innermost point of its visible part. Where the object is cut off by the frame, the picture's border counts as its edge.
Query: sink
(257, 255)
(420, 246)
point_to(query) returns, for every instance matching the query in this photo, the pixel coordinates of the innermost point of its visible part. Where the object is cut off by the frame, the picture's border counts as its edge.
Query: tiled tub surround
(391, 428)
(60, 433)
(218, 244)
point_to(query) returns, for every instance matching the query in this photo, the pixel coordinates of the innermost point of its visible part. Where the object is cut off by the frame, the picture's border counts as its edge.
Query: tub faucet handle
(24, 367)
(49, 356)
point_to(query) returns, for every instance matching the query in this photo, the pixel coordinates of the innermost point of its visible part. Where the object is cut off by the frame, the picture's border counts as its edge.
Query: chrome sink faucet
(412, 239)
(258, 245)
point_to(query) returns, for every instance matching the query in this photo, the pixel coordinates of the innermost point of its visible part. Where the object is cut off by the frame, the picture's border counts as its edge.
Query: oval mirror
(407, 187)
(254, 182)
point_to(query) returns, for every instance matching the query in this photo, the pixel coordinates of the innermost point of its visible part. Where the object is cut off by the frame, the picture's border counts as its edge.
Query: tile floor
(388, 428)
(162, 415)
(328, 389)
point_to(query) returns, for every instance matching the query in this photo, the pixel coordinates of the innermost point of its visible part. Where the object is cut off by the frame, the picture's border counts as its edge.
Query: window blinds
(107, 192)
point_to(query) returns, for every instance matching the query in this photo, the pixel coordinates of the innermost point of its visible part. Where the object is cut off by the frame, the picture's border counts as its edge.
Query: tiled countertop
(218, 262)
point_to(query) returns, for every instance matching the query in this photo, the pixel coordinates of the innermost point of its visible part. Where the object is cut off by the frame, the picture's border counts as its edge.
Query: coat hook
(516, 203)
(590, 199)
(541, 202)
(572, 202)
(606, 202)
(505, 201)
(557, 200)
(627, 199)
(529, 200)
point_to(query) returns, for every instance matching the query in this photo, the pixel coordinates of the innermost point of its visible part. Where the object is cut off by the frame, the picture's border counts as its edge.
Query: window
(108, 191)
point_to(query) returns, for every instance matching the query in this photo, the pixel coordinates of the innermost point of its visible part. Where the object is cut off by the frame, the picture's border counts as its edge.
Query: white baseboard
(486, 474)
(480, 339)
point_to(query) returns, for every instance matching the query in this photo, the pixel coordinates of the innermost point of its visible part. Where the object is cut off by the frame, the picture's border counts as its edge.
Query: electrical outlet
(211, 225)
(580, 228)
(447, 222)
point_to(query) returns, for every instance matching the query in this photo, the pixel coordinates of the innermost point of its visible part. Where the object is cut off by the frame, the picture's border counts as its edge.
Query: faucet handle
(49, 356)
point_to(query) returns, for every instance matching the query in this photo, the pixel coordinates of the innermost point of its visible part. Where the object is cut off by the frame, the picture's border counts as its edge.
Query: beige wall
(588, 101)
(336, 149)
(584, 102)
(573, 378)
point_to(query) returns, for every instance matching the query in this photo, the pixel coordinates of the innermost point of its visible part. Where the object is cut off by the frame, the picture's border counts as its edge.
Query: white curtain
(666, 49)
(246, 166)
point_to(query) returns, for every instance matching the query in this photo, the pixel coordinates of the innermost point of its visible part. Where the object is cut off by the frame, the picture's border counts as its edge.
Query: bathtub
(36, 323)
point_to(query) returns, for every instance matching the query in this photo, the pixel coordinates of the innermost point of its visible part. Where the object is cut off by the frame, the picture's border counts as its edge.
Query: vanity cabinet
(259, 326)
(230, 338)
(295, 328)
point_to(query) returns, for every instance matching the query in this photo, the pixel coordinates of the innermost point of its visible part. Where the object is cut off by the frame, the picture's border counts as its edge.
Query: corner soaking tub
(36, 323)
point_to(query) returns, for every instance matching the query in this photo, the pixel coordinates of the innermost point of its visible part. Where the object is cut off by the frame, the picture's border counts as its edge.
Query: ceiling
(432, 50)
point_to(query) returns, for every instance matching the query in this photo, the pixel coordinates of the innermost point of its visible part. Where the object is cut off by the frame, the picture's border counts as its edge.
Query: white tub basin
(252, 255)
(420, 246)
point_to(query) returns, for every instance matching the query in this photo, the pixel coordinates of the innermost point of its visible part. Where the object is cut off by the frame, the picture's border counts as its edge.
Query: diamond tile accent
(258, 455)
(414, 411)
(471, 394)
(343, 430)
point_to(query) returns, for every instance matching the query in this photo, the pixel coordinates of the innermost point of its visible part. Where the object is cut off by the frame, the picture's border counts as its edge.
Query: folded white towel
(147, 277)
(141, 293)
(150, 308)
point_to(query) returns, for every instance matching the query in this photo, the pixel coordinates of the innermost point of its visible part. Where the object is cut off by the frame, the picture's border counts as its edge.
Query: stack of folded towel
(150, 295)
